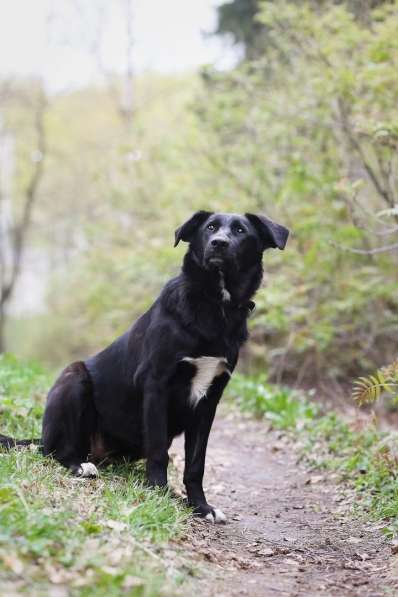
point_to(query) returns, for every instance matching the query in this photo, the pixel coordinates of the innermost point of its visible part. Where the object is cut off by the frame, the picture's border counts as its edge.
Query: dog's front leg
(196, 438)
(155, 434)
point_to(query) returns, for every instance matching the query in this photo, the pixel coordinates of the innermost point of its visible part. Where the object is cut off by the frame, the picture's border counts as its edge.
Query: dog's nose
(220, 242)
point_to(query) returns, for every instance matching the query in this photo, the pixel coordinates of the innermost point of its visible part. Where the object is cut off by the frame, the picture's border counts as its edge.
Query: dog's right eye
(211, 227)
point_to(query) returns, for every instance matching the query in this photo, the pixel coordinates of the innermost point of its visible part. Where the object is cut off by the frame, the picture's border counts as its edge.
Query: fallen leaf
(57, 576)
(116, 525)
(14, 563)
(351, 566)
(362, 556)
(316, 479)
(394, 546)
(354, 540)
(267, 552)
(132, 581)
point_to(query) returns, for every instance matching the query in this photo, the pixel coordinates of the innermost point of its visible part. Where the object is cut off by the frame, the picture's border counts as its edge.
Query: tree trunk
(13, 237)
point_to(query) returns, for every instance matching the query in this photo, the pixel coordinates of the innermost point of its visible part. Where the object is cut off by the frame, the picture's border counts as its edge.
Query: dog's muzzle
(217, 252)
(216, 258)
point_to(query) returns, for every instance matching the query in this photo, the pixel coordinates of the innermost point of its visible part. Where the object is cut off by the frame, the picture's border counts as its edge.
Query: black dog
(166, 374)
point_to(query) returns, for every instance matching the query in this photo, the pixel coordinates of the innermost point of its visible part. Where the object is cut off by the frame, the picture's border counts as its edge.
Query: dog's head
(225, 240)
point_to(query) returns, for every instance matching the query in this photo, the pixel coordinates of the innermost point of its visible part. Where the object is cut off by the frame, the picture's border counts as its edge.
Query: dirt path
(289, 531)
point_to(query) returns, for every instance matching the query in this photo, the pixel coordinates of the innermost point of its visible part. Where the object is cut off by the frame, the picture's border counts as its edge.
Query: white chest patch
(224, 292)
(207, 369)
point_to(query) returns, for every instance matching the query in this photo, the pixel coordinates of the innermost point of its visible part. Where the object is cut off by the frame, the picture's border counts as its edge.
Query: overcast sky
(54, 38)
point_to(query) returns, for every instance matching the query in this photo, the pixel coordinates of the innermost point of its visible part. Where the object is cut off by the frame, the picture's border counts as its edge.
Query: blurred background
(119, 118)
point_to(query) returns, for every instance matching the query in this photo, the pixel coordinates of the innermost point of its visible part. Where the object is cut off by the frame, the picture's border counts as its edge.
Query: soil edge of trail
(289, 531)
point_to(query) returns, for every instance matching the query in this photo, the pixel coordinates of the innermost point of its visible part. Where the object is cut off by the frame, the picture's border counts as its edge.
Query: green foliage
(365, 458)
(102, 536)
(238, 19)
(306, 133)
(370, 389)
(282, 407)
(110, 201)
(23, 388)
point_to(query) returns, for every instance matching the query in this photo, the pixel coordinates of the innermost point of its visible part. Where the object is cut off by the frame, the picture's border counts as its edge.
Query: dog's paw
(87, 470)
(210, 514)
(216, 516)
(157, 484)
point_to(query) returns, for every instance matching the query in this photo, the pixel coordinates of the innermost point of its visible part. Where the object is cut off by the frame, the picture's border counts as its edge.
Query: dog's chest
(205, 371)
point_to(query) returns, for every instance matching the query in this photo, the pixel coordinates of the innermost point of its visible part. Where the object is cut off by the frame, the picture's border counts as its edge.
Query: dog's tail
(9, 442)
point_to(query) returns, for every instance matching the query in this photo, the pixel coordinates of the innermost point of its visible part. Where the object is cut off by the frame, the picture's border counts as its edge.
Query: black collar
(250, 306)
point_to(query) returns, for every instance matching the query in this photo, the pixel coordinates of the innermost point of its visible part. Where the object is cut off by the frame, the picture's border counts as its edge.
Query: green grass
(22, 393)
(98, 537)
(366, 459)
(108, 536)
(283, 407)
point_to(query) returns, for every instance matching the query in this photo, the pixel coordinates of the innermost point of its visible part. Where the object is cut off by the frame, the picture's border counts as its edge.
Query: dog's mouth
(217, 259)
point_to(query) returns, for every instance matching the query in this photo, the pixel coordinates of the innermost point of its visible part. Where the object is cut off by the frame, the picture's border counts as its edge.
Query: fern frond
(368, 389)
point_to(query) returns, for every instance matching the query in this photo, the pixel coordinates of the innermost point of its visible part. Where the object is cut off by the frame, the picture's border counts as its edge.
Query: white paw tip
(219, 516)
(88, 469)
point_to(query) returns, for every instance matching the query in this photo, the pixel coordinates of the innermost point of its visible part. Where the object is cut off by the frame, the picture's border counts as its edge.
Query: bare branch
(123, 99)
(387, 231)
(385, 249)
(20, 230)
(347, 128)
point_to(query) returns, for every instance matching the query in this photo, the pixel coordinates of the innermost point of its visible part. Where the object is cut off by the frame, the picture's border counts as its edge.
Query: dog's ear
(187, 230)
(272, 235)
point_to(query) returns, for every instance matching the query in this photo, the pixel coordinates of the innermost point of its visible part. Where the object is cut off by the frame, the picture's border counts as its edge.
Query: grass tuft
(283, 407)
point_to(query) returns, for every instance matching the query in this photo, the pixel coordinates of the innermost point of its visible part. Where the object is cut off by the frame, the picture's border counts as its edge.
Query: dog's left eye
(240, 230)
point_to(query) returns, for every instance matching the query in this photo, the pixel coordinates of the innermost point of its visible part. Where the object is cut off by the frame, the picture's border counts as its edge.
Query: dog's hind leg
(69, 421)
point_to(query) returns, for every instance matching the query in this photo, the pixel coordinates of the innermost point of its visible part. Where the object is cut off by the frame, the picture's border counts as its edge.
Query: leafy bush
(308, 132)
